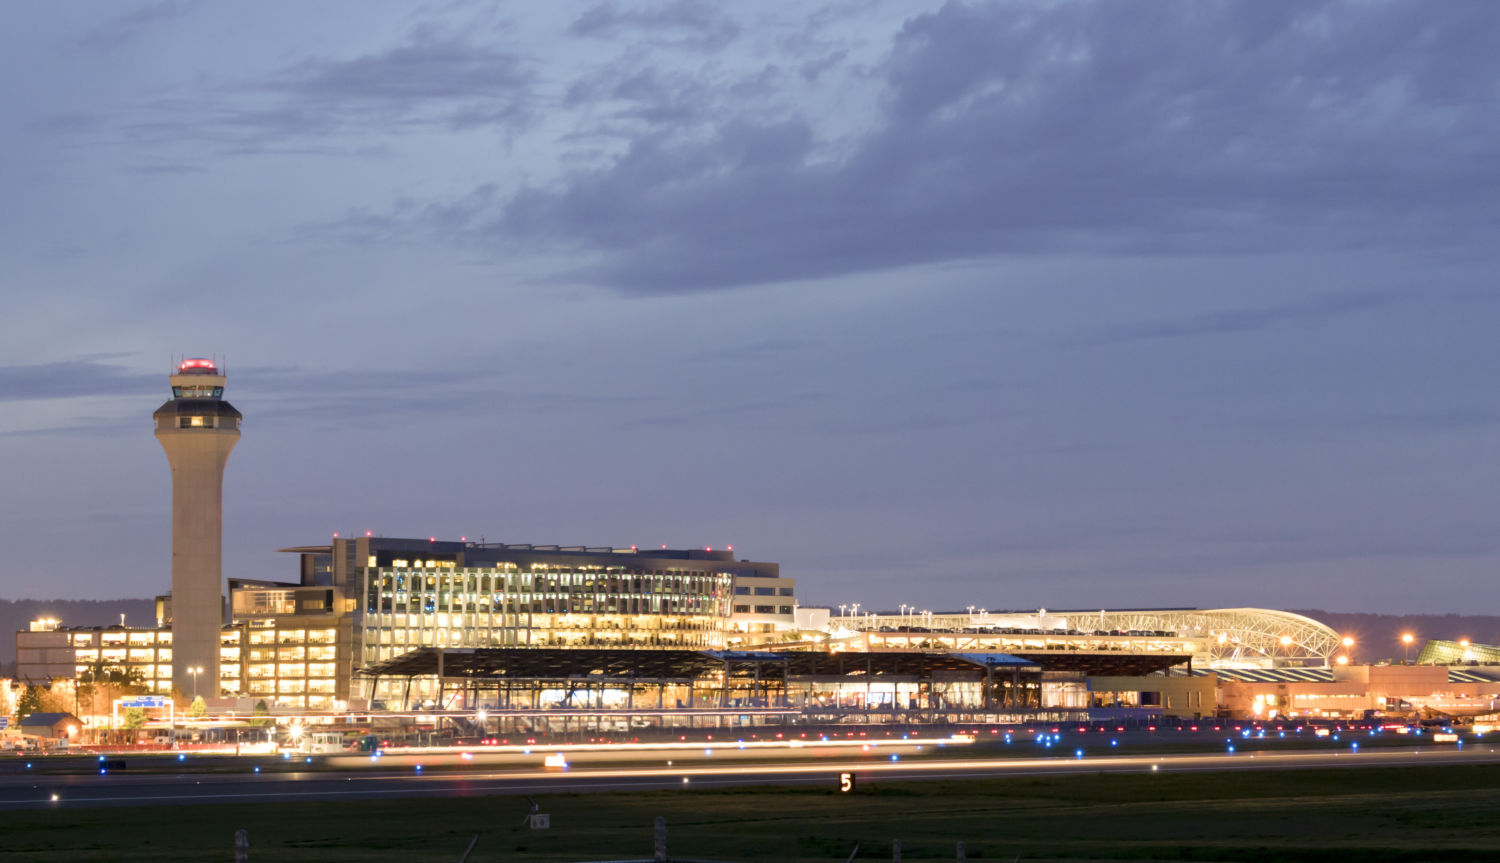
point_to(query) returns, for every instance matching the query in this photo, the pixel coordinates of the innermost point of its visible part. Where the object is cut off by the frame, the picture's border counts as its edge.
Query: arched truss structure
(1233, 636)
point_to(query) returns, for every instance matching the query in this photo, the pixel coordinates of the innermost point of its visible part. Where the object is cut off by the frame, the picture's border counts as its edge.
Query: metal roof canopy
(544, 663)
(1106, 663)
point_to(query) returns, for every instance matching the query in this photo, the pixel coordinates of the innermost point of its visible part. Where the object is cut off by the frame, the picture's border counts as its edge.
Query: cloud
(755, 351)
(1006, 129)
(280, 392)
(88, 376)
(644, 93)
(1248, 320)
(129, 26)
(432, 80)
(702, 26)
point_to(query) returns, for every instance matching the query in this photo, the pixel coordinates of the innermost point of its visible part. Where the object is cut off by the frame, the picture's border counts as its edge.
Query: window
(742, 609)
(785, 591)
(742, 591)
(786, 609)
(765, 609)
(765, 591)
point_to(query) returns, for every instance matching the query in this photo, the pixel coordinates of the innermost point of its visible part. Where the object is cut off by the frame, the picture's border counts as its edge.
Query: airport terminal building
(372, 623)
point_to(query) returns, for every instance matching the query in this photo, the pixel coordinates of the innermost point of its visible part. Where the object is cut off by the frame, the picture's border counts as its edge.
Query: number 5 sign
(846, 783)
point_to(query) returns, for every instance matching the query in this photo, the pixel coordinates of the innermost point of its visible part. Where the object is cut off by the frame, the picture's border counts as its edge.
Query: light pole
(843, 610)
(1406, 639)
(195, 671)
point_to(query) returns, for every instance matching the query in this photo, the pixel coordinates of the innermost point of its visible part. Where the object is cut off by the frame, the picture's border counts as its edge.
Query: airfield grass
(1368, 815)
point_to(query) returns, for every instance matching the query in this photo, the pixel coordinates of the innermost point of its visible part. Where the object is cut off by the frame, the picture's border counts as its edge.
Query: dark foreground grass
(1367, 815)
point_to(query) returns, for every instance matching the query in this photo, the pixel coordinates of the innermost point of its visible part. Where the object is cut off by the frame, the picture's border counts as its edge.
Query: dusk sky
(1077, 305)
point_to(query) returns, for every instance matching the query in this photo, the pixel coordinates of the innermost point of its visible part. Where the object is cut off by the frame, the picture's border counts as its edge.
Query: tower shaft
(197, 429)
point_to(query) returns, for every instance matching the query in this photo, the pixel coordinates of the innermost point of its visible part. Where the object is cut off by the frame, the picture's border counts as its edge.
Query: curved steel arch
(1237, 636)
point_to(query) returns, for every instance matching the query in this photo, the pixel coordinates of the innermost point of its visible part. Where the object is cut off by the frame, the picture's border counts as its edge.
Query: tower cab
(197, 399)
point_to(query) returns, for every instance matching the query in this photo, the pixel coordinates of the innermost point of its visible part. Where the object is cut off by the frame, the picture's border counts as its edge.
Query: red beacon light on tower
(197, 364)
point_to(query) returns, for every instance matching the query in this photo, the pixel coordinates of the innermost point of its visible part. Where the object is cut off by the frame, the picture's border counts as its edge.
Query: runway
(23, 791)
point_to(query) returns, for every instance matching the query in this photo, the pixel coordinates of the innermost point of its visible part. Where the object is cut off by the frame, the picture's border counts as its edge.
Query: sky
(1014, 305)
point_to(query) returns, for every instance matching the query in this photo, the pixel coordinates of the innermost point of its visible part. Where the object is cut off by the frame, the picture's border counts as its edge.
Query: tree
(261, 715)
(29, 703)
(55, 696)
(197, 708)
(99, 685)
(134, 718)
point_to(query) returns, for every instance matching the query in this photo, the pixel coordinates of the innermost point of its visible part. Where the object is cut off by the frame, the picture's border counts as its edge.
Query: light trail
(137, 790)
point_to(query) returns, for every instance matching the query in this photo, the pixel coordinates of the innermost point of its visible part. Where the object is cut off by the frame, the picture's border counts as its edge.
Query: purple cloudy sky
(1014, 304)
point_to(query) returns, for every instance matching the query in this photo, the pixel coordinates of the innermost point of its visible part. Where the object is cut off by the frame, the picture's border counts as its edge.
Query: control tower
(197, 428)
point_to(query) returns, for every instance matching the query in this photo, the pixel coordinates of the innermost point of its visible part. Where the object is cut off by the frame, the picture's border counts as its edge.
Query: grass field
(1367, 815)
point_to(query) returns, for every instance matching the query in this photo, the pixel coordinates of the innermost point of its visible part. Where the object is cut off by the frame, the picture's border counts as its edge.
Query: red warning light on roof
(369, 533)
(196, 364)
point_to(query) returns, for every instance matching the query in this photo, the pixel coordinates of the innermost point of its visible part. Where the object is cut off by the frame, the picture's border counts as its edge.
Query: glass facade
(435, 603)
(288, 665)
(143, 653)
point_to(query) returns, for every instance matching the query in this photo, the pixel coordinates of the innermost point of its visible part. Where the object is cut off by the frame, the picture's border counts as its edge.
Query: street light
(1406, 639)
(195, 670)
